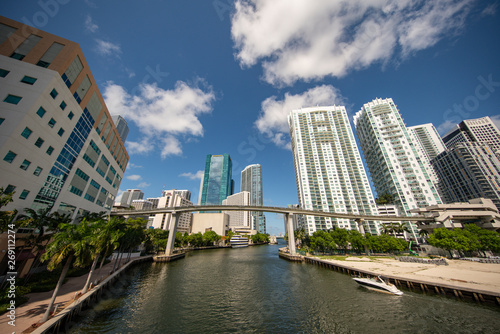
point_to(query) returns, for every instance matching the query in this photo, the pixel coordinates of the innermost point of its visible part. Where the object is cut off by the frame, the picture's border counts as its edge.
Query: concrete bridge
(288, 212)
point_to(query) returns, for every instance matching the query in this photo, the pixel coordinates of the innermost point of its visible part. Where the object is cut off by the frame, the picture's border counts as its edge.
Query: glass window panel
(41, 112)
(5, 32)
(26, 132)
(26, 47)
(28, 80)
(3, 73)
(10, 156)
(25, 164)
(12, 99)
(37, 171)
(52, 122)
(72, 71)
(39, 142)
(49, 55)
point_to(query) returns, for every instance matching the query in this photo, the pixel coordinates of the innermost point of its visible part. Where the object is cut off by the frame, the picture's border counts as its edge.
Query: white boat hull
(377, 284)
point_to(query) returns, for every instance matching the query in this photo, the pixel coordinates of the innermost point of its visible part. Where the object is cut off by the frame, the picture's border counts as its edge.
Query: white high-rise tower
(328, 168)
(393, 158)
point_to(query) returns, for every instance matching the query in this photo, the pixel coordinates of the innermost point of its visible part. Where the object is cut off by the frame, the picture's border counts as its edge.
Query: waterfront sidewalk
(459, 273)
(32, 311)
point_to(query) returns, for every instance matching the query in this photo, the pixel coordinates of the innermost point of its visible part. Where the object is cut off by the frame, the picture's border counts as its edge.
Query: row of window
(11, 188)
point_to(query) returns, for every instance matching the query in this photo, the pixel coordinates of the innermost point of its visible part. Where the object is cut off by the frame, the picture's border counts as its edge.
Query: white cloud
(308, 40)
(273, 120)
(107, 48)
(446, 126)
(197, 176)
(90, 25)
(134, 177)
(143, 185)
(161, 115)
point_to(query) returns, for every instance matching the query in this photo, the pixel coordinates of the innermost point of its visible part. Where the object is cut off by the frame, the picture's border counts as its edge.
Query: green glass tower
(217, 180)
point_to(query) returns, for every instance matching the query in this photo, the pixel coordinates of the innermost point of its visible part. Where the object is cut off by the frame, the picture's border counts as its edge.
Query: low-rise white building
(239, 219)
(210, 221)
(163, 220)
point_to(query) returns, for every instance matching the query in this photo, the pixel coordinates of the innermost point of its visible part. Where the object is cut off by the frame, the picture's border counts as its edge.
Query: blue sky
(205, 77)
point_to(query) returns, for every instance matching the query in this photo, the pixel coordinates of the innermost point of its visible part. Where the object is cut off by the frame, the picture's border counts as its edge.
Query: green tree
(385, 198)
(356, 240)
(196, 239)
(210, 237)
(443, 238)
(7, 218)
(67, 244)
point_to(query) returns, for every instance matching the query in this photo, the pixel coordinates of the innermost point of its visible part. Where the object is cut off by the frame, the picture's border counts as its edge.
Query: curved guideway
(253, 290)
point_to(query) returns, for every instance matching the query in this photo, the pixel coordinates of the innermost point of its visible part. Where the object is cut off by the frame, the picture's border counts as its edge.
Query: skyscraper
(428, 138)
(479, 130)
(328, 168)
(129, 196)
(394, 162)
(59, 147)
(467, 171)
(239, 219)
(121, 126)
(217, 181)
(251, 181)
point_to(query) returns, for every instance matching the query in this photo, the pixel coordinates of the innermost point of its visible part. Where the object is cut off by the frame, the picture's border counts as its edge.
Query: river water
(252, 290)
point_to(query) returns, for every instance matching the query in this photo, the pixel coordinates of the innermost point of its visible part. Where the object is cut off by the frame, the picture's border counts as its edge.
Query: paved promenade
(32, 311)
(459, 273)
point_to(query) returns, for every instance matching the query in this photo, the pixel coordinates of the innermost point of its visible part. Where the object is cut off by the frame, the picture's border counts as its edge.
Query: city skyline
(199, 77)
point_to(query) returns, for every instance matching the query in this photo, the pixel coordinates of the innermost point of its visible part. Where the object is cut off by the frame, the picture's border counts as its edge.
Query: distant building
(154, 201)
(210, 221)
(164, 220)
(121, 126)
(328, 169)
(251, 181)
(129, 196)
(183, 193)
(217, 183)
(59, 148)
(239, 219)
(428, 138)
(469, 170)
(141, 204)
(479, 130)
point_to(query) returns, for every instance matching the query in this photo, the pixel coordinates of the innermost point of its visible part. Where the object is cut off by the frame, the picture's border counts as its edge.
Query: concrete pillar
(291, 234)
(169, 250)
(361, 228)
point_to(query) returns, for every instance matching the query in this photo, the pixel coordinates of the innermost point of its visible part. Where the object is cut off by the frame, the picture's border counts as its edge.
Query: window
(25, 164)
(9, 157)
(1, 120)
(41, 112)
(39, 142)
(81, 174)
(12, 99)
(24, 194)
(89, 160)
(75, 191)
(26, 132)
(3, 73)
(50, 55)
(62, 105)
(54, 93)
(10, 189)
(89, 198)
(52, 122)
(37, 171)
(28, 80)
(95, 184)
(70, 115)
(60, 132)
(50, 150)
(25, 47)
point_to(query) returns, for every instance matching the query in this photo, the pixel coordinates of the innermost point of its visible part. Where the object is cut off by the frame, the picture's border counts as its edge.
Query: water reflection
(252, 290)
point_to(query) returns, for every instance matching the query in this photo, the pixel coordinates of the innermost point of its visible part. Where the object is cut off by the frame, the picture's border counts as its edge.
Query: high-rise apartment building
(217, 181)
(251, 181)
(428, 138)
(239, 219)
(328, 168)
(59, 147)
(129, 196)
(183, 193)
(479, 130)
(395, 165)
(467, 171)
(164, 220)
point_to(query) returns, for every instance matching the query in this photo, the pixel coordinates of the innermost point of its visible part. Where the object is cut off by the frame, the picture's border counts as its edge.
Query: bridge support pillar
(291, 235)
(169, 250)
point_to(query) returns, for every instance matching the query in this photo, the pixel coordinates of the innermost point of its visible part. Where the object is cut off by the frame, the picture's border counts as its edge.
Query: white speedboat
(378, 284)
(238, 241)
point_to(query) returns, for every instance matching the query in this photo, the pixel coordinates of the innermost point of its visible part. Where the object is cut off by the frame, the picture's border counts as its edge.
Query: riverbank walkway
(32, 311)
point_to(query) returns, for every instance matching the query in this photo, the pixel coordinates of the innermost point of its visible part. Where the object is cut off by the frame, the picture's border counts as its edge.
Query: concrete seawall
(426, 287)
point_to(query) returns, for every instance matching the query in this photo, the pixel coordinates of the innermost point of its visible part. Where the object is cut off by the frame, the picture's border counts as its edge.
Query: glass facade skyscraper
(251, 181)
(217, 181)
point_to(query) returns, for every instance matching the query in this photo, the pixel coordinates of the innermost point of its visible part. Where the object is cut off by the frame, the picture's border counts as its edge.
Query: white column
(291, 235)
(169, 250)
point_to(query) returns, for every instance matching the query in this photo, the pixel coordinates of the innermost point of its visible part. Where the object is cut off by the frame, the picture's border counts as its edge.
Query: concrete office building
(328, 169)
(210, 221)
(217, 181)
(393, 159)
(59, 147)
(239, 219)
(183, 193)
(467, 171)
(251, 181)
(428, 138)
(479, 130)
(142, 204)
(164, 220)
